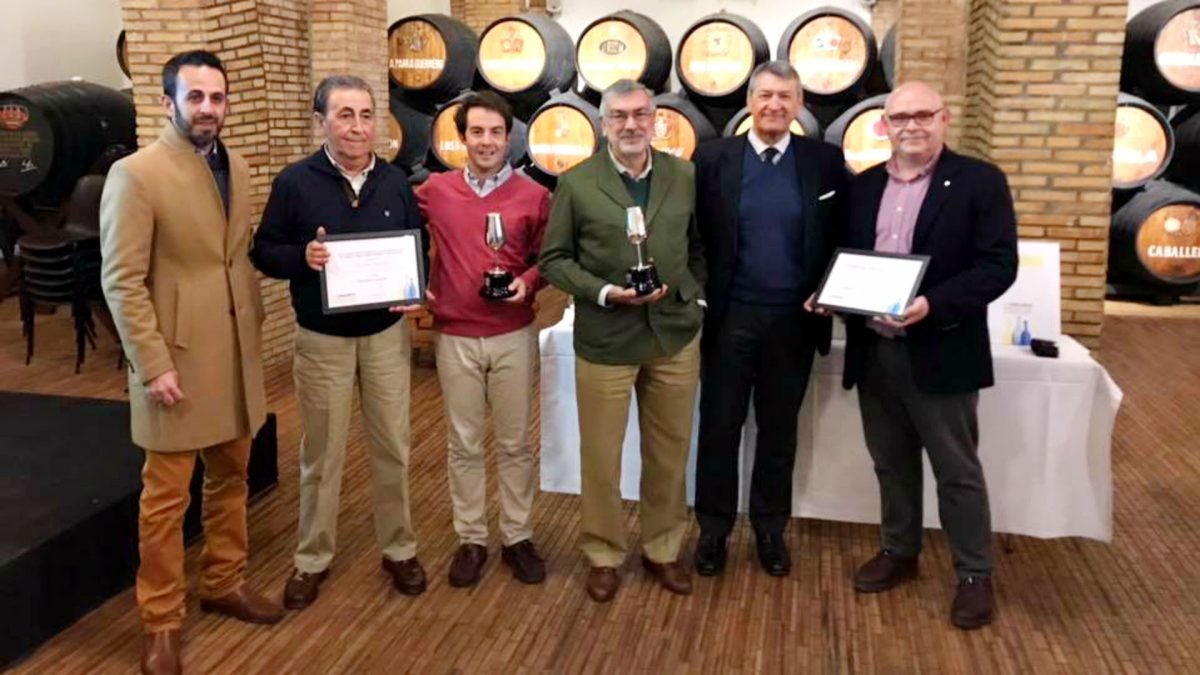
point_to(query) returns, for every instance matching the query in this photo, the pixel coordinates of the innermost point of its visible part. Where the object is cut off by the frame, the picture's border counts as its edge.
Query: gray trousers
(898, 420)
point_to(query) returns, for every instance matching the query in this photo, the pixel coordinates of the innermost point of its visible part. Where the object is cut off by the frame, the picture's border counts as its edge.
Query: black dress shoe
(773, 555)
(884, 571)
(974, 604)
(710, 555)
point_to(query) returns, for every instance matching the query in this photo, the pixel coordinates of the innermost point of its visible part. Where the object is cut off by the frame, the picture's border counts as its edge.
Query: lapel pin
(387, 214)
(946, 184)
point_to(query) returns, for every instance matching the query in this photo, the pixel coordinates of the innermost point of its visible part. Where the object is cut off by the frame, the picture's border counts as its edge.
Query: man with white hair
(628, 342)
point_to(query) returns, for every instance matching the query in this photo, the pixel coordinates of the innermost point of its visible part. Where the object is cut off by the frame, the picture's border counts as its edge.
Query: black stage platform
(68, 510)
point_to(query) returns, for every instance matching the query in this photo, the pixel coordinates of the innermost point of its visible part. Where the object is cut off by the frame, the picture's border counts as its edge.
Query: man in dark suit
(767, 205)
(919, 377)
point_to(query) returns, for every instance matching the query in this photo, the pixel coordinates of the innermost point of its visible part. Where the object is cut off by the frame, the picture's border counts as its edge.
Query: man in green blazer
(626, 342)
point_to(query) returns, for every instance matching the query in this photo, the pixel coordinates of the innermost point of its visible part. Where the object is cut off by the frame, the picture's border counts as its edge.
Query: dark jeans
(765, 353)
(898, 420)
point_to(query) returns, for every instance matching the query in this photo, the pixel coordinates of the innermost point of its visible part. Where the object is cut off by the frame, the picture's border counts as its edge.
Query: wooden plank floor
(1071, 605)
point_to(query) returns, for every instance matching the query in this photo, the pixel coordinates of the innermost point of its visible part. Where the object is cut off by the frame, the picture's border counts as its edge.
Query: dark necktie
(770, 154)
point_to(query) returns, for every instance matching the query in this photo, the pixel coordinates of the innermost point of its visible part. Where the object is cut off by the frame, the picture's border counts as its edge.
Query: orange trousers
(161, 586)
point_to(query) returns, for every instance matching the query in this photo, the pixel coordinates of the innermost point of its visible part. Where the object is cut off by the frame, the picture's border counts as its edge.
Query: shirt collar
(893, 168)
(622, 169)
(342, 169)
(211, 152)
(494, 182)
(760, 146)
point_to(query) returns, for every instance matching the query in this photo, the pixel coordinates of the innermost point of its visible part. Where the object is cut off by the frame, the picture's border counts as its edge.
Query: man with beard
(344, 188)
(175, 233)
(919, 376)
(628, 342)
(487, 348)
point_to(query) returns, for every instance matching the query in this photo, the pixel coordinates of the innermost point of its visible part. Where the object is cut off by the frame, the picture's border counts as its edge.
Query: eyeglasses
(620, 116)
(923, 118)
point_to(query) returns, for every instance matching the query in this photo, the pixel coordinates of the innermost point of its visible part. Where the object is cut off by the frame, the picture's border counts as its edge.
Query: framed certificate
(372, 270)
(871, 283)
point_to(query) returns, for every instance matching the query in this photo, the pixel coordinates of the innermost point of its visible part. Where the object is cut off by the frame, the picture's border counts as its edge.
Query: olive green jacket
(584, 248)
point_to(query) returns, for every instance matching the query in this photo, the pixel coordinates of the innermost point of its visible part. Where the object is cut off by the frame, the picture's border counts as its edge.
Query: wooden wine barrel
(1185, 164)
(717, 55)
(562, 133)
(446, 149)
(431, 57)
(805, 124)
(53, 133)
(862, 135)
(408, 133)
(679, 126)
(623, 45)
(887, 56)
(1143, 143)
(123, 54)
(1161, 62)
(833, 50)
(1155, 237)
(527, 57)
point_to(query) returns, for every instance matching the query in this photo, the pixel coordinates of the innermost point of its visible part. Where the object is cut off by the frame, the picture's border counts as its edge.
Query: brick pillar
(931, 45)
(1042, 87)
(264, 47)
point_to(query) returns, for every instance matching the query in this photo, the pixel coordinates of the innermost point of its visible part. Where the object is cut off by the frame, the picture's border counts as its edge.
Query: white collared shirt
(356, 181)
(487, 186)
(760, 146)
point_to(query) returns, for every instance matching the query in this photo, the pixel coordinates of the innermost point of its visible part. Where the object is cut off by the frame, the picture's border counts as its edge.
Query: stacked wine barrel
(554, 86)
(1155, 236)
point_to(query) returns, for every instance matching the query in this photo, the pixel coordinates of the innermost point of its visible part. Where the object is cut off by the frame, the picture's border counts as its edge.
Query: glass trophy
(643, 277)
(496, 280)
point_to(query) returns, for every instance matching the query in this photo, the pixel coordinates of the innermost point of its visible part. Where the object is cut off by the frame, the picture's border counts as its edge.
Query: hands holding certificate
(368, 271)
(878, 285)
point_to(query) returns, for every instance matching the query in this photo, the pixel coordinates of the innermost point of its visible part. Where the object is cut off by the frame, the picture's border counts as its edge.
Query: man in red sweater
(486, 349)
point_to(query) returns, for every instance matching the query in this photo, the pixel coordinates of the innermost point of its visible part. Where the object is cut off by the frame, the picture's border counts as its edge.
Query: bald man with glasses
(919, 376)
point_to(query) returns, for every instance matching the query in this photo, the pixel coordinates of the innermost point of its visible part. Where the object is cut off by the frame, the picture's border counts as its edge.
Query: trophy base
(496, 285)
(643, 279)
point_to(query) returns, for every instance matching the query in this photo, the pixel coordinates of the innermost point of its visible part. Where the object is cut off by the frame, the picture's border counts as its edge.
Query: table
(1045, 442)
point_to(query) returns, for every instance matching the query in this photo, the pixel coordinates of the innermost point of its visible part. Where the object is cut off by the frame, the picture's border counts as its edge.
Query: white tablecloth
(1045, 442)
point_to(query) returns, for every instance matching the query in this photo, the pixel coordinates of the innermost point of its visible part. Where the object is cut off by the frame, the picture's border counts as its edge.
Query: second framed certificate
(871, 283)
(372, 270)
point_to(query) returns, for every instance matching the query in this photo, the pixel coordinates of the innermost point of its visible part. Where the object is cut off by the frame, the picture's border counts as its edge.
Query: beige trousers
(666, 395)
(478, 373)
(327, 369)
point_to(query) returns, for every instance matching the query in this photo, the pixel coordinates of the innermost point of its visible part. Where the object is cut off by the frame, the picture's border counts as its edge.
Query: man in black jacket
(919, 377)
(344, 188)
(766, 207)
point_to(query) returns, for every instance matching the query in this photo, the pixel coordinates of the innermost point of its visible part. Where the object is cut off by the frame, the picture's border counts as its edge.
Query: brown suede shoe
(301, 588)
(673, 576)
(467, 566)
(160, 653)
(602, 583)
(527, 566)
(974, 604)
(884, 571)
(244, 605)
(407, 575)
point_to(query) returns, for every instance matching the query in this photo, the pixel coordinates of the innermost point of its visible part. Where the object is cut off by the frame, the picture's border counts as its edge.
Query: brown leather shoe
(527, 566)
(884, 571)
(301, 588)
(467, 566)
(974, 604)
(244, 605)
(673, 576)
(160, 653)
(602, 583)
(407, 575)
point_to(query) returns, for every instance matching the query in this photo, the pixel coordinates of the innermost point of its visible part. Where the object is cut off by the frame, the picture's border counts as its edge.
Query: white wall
(48, 40)
(398, 9)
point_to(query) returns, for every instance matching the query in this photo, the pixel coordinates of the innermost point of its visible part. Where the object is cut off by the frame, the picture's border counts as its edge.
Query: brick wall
(932, 46)
(479, 13)
(1041, 94)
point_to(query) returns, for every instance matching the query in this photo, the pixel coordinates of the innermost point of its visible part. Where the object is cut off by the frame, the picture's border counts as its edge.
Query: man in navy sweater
(344, 188)
(766, 207)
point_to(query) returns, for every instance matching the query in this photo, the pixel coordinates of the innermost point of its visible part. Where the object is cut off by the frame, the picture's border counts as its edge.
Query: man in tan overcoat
(175, 234)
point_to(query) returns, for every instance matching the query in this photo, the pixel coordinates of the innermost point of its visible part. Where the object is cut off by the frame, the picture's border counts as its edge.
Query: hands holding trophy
(496, 280)
(643, 277)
